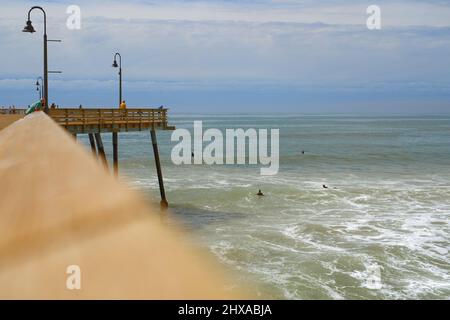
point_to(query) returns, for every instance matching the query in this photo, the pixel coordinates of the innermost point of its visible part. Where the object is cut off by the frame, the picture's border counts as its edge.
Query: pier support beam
(164, 204)
(92, 142)
(115, 142)
(101, 149)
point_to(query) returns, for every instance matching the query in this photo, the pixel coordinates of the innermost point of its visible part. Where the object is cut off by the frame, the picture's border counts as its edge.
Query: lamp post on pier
(119, 65)
(30, 29)
(39, 86)
(115, 138)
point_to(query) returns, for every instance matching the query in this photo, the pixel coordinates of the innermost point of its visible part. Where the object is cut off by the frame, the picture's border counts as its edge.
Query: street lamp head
(29, 27)
(115, 65)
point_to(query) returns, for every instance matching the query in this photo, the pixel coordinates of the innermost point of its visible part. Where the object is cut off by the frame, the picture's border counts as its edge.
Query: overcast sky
(234, 56)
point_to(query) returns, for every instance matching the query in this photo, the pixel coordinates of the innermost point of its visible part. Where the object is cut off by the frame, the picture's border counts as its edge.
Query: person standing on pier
(123, 105)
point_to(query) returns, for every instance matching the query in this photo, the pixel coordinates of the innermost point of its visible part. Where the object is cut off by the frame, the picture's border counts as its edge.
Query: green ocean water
(387, 205)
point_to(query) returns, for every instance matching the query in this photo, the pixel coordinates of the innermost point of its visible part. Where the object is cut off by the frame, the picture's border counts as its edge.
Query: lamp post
(39, 87)
(115, 65)
(29, 28)
(115, 137)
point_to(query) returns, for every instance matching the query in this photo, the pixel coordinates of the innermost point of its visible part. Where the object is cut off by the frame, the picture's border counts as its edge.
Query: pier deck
(78, 121)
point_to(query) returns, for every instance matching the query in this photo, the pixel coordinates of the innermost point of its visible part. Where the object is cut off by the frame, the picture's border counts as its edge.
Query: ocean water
(387, 207)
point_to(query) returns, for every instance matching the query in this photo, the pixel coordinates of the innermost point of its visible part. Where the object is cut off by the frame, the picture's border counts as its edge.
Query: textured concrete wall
(59, 207)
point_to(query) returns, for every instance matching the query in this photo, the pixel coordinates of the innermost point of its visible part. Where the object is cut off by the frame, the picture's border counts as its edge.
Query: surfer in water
(260, 193)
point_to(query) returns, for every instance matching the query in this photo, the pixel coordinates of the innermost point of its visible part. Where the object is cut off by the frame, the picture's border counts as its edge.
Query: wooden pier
(78, 121)
(94, 122)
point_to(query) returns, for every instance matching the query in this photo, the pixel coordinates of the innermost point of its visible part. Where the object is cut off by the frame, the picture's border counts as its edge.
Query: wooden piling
(101, 149)
(92, 142)
(115, 141)
(164, 204)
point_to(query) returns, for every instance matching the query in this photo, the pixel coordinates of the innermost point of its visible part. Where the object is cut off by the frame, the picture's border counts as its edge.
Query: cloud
(280, 46)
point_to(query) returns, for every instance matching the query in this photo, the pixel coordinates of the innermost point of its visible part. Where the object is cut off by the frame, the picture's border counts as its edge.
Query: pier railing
(109, 120)
(12, 111)
(60, 209)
